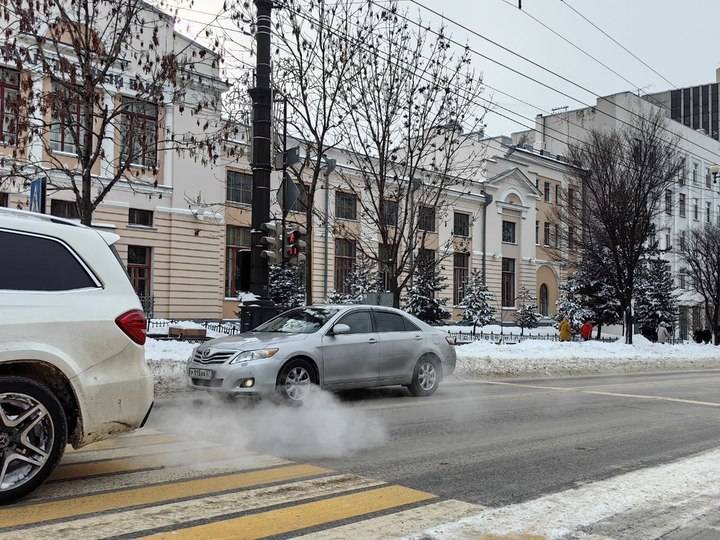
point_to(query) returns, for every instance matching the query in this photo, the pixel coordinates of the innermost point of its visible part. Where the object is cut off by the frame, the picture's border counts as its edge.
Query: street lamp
(715, 171)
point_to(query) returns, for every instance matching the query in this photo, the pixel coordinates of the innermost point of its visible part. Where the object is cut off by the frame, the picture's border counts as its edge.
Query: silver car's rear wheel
(426, 377)
(295, 380)
(32, 436)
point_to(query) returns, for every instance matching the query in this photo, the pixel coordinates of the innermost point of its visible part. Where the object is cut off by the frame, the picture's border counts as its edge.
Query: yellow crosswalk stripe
(51, 510)
(124, 442)
(302, 516)
(137, 463)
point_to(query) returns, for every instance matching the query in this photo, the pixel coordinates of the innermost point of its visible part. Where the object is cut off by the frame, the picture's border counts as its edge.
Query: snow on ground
(167, 360)
(537, 357)
(495, 329)
(682, 488)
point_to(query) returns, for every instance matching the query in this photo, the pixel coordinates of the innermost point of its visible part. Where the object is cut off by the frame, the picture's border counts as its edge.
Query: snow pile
(167, 360)
(537, 357)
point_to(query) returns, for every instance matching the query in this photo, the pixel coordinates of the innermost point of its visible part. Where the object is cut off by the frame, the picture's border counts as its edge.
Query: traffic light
(270, 242)
(296, 246)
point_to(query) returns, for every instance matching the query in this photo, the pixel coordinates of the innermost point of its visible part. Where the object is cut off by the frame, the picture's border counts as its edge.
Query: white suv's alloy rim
(26, 439)
(297, 383)
(427, 376)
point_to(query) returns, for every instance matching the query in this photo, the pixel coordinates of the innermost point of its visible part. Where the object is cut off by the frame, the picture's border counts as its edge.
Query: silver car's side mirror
(339, 329)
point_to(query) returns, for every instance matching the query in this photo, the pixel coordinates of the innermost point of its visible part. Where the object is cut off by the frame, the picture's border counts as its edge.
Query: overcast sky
(677, 39)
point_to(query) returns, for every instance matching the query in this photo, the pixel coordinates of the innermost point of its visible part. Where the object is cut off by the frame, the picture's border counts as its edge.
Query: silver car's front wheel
(32, 436)
(295, 380)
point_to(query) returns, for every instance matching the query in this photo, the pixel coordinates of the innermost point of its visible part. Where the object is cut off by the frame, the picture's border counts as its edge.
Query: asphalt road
(500, 442)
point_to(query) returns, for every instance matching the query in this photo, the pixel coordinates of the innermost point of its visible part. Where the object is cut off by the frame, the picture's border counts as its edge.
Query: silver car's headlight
(259, 354)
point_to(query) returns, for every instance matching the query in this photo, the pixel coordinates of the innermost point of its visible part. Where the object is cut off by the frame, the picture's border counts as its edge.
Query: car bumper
(233, 378)
(115, 396)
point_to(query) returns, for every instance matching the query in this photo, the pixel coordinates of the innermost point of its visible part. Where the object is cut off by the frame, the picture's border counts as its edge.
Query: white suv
(72, 366)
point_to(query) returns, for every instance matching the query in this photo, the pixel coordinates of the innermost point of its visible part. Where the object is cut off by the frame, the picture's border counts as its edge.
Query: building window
(461, 224)
(682, 240)
(537, 233)
(9, 84)
(571, 238)
(140, 217)
(557, 193)
(708, 213)
(4, 200)
(508, 282)
(695, 173)
(696, 210)
(345, 205)
(140, 269)
(239, 187)
(138, 133)
(682, 280)
(682, 205)
(300, 204)
(64, 209)
(461, 263)
(390, 213)
(547, 192)
(571, 198)
(668, 243)
(717, 215)
(344, 262)
(546, 231)
(557, 235)
(543, 300)
(237, 260)
(682, 173)
(384, 261)
(668, 202)
(67, 129)
(426, 219)
(708, 179)
(508, 232)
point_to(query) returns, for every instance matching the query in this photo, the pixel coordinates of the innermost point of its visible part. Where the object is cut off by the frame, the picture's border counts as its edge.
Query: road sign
(288, 195)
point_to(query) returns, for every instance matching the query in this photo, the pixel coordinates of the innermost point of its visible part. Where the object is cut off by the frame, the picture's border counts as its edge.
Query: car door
(351, 359)
(400, 341)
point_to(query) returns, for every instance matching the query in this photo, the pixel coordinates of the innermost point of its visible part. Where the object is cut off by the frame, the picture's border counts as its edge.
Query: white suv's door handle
(418, 338)
(372, 340)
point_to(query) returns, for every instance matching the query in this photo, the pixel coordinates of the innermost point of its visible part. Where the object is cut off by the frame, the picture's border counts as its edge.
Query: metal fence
(513, 337)
(228, 327)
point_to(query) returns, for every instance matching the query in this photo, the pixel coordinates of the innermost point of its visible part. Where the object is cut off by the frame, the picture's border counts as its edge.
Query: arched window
(544, 308)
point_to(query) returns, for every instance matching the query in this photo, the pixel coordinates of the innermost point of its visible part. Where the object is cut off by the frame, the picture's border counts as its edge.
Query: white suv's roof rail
(26, 214)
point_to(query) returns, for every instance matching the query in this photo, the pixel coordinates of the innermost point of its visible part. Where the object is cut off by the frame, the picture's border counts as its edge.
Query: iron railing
(513, 337)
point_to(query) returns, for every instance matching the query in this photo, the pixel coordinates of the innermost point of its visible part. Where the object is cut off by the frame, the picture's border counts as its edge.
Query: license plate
(200, 373)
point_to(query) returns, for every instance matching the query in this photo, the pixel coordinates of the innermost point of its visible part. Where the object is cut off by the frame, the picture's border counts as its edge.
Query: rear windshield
(298, 321)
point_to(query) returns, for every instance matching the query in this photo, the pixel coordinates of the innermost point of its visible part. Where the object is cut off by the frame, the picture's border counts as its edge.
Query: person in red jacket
(586, 331)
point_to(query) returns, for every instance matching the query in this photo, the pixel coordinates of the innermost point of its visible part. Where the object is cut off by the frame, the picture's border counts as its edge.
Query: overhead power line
(616, 42)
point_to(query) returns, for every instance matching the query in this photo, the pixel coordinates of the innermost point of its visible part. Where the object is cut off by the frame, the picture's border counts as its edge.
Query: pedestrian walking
(586, 331)
(565, 330)
(662, 333)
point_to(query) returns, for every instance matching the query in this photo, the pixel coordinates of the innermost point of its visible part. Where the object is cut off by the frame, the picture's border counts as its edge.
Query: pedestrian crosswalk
(151, 484)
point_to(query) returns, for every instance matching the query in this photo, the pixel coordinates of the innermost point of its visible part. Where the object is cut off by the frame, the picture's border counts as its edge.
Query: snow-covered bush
(421, 297)
(478, 301)
(527, 315)
(286, 286)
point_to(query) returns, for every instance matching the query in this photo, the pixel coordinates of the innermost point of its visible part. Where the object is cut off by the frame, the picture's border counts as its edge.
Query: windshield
(298, 321)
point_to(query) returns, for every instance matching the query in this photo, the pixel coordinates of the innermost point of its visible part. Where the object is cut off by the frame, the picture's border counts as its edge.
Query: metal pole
(285, 179)
(261, 96)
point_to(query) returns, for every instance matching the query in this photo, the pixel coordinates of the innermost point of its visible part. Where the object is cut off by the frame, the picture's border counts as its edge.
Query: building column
(35, 152)
(168, 151)
(107, 164)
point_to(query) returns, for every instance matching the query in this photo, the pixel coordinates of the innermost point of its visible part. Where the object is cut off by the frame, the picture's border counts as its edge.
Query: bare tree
(701, 252)
(411, 129)
(623, 175)
(98, 71)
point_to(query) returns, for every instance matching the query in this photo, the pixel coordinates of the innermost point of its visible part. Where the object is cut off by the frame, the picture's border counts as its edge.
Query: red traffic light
(293, 251)
(293, 237)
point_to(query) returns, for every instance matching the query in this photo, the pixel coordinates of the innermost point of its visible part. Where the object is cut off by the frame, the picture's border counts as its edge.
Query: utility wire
(616, 42)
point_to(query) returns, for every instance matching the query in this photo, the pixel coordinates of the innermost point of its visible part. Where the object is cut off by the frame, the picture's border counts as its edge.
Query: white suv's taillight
(133, 323)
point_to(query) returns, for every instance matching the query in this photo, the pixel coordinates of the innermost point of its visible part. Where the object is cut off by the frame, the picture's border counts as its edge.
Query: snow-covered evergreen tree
(286, 285)
(570, 305)
(478, 301)
(527, 315)
(421, 297)
(655, 302)
(362, 280)
(595, 294)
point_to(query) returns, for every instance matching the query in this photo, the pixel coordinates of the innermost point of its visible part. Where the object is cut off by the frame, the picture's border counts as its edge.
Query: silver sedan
(333, 347)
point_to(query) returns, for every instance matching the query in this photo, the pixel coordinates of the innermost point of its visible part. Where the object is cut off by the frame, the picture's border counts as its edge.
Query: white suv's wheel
(33, 434)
